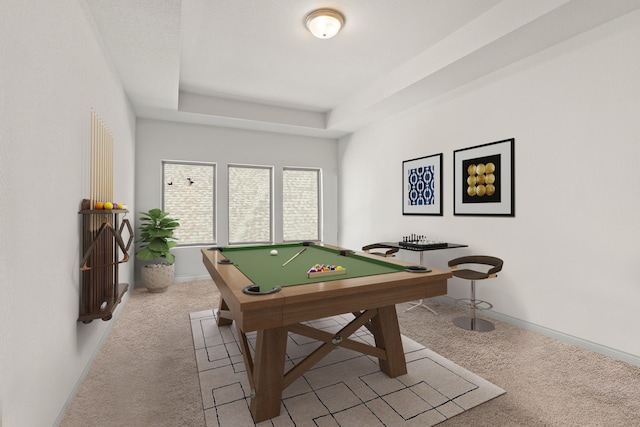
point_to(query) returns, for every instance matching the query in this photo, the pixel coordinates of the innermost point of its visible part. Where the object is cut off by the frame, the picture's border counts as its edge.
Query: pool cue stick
(292, 258)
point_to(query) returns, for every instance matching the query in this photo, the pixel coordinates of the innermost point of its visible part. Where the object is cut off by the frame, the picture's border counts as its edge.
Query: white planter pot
(157, 277)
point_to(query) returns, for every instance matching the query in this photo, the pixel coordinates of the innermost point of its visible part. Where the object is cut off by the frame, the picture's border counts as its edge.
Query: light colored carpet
(146, 373)
(549, 383)
(345, 388)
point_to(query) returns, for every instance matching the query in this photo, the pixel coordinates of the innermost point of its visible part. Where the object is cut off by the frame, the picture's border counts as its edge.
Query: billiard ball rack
(313, 275)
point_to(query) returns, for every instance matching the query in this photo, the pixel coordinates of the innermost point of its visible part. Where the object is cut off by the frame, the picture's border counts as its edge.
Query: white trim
(560, 336)
(179, 279)
(182, 279)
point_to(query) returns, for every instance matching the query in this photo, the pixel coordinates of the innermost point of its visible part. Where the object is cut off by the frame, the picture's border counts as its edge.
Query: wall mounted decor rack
(102, 247)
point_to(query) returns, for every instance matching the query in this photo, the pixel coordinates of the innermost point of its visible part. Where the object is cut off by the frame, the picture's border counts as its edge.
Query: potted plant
(156, 235)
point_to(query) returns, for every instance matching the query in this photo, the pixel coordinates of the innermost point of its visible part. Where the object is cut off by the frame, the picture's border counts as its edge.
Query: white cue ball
(274, 252)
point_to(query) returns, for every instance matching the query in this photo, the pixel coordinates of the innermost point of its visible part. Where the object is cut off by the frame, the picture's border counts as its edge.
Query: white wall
(158, 141)
(571, 252)
(52, 73)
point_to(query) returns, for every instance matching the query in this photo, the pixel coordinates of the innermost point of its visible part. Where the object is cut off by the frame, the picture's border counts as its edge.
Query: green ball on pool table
(274, 252)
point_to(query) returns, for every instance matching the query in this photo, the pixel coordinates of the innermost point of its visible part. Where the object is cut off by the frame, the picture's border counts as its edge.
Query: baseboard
(181, 279)
(560, 336)
(96, 351)
(178, 279)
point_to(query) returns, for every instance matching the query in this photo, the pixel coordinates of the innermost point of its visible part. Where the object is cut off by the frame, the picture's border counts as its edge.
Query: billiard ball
(274, 252)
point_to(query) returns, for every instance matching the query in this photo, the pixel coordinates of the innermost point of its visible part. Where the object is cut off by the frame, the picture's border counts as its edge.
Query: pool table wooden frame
(371, 299)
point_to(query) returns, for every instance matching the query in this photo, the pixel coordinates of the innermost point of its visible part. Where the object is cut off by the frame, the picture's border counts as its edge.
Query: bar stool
(472, 323)
(389, 250)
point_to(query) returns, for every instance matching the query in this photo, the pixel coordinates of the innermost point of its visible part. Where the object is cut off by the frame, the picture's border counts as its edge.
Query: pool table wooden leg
(386, 332)
(224, 314)
(268, 373)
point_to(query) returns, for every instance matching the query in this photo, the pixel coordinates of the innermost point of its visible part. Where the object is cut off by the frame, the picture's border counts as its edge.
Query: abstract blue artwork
(422, 186)
(421, 183)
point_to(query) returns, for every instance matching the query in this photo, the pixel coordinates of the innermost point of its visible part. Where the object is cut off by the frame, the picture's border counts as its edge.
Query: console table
(422, 248)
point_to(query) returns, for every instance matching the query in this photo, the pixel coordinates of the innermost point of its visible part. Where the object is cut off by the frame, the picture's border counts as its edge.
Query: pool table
(273, 295)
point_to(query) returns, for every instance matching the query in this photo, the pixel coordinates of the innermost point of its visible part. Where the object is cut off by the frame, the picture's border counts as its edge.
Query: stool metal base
(421, 304)
(471, 324)
(476, 304)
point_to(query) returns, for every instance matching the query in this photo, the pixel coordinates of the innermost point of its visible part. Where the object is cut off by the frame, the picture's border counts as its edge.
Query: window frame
(271, 170)
(319, 201)
(214, 206)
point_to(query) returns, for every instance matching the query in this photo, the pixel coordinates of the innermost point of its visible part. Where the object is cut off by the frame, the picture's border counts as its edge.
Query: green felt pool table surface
(267, 271)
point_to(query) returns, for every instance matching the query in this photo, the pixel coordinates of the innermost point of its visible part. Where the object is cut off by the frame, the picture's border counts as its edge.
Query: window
(250, 204)
(301, 204)
(189, 196)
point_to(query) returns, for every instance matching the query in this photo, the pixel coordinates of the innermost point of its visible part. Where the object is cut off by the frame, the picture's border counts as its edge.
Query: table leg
(421, 302)
(386, 332)
(224, 314)
(268, 373)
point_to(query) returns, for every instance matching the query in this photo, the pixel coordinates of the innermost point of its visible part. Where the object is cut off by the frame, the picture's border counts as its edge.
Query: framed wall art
(422, 186)
(484, 179)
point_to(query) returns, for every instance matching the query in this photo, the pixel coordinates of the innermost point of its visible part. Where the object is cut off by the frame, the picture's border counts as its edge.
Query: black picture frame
(484, 179)
(422, 185)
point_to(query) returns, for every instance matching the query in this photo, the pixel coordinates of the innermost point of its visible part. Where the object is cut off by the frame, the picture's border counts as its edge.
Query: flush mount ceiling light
(324, 23)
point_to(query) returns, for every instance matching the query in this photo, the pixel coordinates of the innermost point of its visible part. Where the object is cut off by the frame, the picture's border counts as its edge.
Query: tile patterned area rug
(344, 389)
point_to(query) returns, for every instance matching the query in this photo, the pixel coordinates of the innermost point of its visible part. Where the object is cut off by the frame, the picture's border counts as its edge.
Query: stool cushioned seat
(389, 251)
(470, 274)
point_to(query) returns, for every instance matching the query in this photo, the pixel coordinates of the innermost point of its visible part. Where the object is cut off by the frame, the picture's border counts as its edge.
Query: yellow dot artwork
(481, 180)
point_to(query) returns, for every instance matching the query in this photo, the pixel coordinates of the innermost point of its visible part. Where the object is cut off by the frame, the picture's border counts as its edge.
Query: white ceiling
(252, 64)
